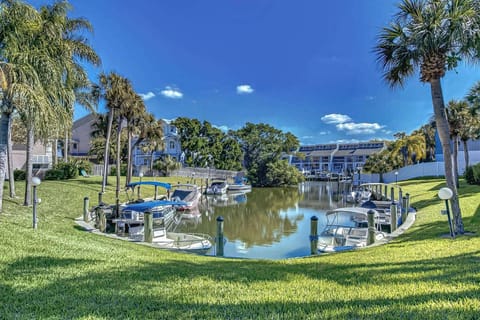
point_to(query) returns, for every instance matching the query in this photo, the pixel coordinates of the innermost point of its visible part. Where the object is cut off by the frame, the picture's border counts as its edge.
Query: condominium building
(335, 157)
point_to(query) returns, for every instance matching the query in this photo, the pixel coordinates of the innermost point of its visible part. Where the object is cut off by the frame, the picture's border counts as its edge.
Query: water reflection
(269, 223)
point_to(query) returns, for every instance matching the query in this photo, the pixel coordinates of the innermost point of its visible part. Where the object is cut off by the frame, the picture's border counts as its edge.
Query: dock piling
(313, 235)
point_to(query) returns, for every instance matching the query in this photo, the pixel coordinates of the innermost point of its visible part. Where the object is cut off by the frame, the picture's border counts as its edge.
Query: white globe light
(445, 193)
(36, 181)
(141, 174)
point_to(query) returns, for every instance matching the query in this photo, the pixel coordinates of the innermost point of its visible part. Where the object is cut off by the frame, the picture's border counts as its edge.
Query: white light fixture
(36, 181)
(141, 174)
(445, 193)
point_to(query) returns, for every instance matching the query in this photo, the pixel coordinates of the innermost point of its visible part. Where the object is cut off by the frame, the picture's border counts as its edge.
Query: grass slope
(62, 272)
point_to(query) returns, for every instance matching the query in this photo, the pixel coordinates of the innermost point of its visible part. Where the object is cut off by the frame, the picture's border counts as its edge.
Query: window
(172, 145)
(74, 146)
(145, 162)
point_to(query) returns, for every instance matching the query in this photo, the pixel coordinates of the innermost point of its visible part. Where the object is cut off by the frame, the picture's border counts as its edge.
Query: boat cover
(148, 205)
(150, 183)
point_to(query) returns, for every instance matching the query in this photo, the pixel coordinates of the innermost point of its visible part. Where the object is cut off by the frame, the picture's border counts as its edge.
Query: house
(81, 142)
(173, 147)
(41, 157)
(81, 135)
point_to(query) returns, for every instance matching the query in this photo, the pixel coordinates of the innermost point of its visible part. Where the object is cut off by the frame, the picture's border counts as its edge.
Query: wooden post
(407, 203)
(220, 238)
(101, 222)
(148, 226)
(386, 192)
(313, 235)
(392, 194)
(85, 209)
(371, 227)
(400, 197)
(404, 212)
(100, 198)
(393, 217)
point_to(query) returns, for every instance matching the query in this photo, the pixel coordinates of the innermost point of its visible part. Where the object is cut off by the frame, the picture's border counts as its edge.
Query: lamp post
(35, 182)
(446, 194)
(396, 177)
(138, 190)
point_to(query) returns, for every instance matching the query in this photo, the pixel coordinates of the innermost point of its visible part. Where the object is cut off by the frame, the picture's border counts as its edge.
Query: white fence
(426, 169)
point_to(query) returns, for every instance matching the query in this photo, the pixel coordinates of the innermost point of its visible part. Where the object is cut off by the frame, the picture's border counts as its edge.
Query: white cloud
(345, 141)
(335, 118)
(244, 89)
(223, 128)
(359, 128)
(369, 98)
(171, 93)
(323, 133)
(147, 96)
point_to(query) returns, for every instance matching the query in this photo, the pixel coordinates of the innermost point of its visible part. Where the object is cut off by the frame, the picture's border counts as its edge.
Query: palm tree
(133, 116)
(410, 147)
(111, 88)
(456, 115)
(431, 36)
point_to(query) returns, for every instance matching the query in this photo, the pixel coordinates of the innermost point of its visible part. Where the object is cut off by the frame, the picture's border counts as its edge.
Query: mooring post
(392, 194)
(85, 209)
(393, 217)
(404, 212)
(220, 238)
(148, 226)
(313, 235)
(100, 198)
(386, 192)
(101, 220)
(400, 197)
(407, 203)
(371, 227)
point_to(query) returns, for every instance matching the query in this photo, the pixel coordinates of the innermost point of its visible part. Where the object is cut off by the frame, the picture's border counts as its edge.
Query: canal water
(266, 223)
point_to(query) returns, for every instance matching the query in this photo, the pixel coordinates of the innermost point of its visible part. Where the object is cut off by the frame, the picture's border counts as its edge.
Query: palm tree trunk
(11, 176)
(66, 145)
(107, 148)
(455, 160)
(465, 153)
(3, 153)
(119, 131)
(129, 157)
(54, 152)
(443, 133)
(29, 165)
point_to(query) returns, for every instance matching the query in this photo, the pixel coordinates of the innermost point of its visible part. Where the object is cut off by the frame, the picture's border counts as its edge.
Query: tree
(412, 148)
(166, 165)
(431, 36)
(262, 145)
(380, 163)
(457, 113)
(428, 131)
(113, 89)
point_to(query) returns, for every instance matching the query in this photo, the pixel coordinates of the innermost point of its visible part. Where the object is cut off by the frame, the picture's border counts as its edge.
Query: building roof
(319, 153)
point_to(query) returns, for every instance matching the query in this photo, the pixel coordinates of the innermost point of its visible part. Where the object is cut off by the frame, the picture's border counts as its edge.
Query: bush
(472, 174)
(18, 175)
(70, 169)
(86, 165)
(123, 170)
(54, 174)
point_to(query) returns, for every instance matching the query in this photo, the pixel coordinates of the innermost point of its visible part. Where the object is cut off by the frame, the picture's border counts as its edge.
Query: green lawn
(62, 272)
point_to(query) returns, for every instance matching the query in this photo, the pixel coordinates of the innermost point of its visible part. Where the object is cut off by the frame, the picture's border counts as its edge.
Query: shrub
(472, 174)
(18, 175)
(84, 164)
(54, 174)
(123, 170)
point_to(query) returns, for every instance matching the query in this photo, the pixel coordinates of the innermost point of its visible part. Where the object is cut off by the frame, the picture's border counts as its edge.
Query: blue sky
(302, 66)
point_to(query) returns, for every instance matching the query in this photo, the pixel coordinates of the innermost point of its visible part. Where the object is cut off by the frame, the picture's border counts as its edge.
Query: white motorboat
(189, 193)
(217, 186)
(346, 229)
